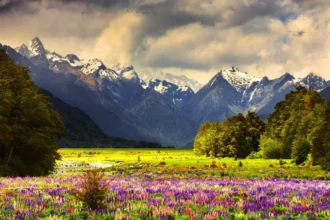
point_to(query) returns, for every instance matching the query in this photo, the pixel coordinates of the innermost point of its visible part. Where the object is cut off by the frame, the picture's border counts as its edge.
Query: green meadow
(181, 161)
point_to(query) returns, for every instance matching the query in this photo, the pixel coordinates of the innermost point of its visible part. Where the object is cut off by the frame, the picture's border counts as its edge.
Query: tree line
(299, 125)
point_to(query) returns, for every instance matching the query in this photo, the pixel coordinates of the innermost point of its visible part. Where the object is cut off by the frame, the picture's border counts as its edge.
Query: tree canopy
(321, 142)
(28, 125)
(291, 127)
(237, 136)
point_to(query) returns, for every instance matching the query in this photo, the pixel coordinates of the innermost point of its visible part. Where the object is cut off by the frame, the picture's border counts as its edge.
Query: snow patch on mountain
(313, 81)
(92, 66)
(239, 80)
(53, 57)
(109, 74)
(148, 75)
(178, 94)
(130, 74)
(73, 60)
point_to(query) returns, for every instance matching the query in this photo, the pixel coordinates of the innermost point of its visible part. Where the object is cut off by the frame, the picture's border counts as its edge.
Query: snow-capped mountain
(239, 80)
(168, 77)
(313, 81)
(217, 100)
(32, 48)
(35, 51)
(178, 94)
(116, 99)
(232, 91)
(263, 96)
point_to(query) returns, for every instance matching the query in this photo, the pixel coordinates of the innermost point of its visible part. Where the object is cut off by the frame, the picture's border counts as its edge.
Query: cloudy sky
(196, 38)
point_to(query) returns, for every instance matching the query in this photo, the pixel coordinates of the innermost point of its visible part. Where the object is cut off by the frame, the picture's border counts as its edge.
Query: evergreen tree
(28, 125)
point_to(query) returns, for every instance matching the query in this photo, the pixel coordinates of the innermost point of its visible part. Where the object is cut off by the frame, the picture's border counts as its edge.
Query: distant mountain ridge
(232, 91)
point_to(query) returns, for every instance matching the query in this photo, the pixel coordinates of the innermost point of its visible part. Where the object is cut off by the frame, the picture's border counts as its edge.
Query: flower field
(166, 196)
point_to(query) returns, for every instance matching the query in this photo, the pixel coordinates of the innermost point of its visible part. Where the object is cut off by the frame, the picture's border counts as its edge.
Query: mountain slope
(81, 131)
(269, 92)
(326, 93)
(217, 100)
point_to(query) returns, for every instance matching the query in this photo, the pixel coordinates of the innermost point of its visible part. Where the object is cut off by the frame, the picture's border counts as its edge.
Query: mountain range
(167, 110)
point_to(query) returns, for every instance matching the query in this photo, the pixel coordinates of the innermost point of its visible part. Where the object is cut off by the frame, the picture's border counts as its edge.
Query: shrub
(300, 150)
(240, 164)
(281, 162)
(94, 189)
(255, 155)
(271, 148)
(213, 164)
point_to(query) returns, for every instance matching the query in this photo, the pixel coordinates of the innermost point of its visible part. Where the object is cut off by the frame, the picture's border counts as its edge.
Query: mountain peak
(32, 48)
(313, 75)
(313, 81)
(287, 76)
(36, 47)
(232, 69)
(239, 80)
(36, 39)
(72, 58)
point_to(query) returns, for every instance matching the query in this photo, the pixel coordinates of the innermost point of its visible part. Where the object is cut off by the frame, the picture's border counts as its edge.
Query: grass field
(171, 184)
(184, 160)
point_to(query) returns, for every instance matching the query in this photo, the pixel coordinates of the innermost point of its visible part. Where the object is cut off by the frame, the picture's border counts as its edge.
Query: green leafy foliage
(321, 142)
(300, 150)
(293, 124)
(270, 148)
(237, 137)
(28, 125)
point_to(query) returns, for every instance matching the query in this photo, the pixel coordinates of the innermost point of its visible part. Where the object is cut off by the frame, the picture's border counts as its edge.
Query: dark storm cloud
(185, 34)
(9, 6)
(162, 15)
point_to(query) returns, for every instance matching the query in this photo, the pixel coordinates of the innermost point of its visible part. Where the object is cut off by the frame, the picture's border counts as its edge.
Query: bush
(300, 150)
(94, 189)
(281, 162)
(255, 155)
(240, 164)
(271, 148)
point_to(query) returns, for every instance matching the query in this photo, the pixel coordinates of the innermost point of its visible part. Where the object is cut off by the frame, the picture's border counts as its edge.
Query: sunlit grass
(179, 160)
